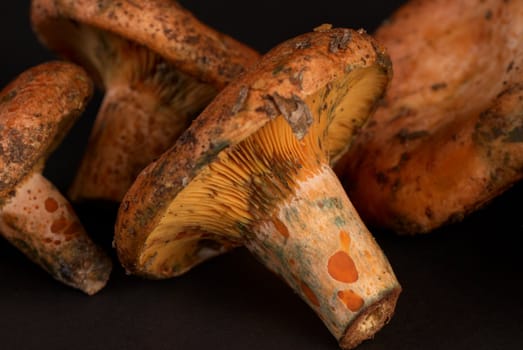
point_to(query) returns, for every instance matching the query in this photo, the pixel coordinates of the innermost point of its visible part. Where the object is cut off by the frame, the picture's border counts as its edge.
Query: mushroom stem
(40, 222)
(316, 242)
(120, 146)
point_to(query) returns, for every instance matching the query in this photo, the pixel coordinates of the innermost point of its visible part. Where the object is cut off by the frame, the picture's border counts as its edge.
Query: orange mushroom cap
(159, 67)
(447, 137)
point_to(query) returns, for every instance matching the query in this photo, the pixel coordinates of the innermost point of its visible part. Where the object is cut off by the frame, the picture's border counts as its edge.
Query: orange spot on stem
(58, 225)
(51, 205)
(309, 294)
(341, 267)
(345, 240)
(281, 228)
(351, 299)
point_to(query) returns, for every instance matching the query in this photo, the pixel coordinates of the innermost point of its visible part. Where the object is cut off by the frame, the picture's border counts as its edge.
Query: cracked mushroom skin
(159, 67)
(448, 137)
(37, 109)
(253, 169)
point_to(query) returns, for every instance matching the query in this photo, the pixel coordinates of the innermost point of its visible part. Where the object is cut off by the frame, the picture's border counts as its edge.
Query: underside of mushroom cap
(33, 122)
(337, 72)
(445, 140)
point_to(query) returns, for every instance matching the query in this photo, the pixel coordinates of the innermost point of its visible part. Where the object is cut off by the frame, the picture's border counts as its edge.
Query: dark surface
(463, 285)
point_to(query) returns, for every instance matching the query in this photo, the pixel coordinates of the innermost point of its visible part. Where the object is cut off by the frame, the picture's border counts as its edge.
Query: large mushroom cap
(253, 169)
(37, 109)
(159, 67)
(336, 75)
(447, 138)
(163, 26)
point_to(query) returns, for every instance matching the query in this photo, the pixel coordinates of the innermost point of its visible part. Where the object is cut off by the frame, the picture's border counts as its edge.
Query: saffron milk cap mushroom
(253, 169)
(36, 110)
(159, 67)
(449, 135)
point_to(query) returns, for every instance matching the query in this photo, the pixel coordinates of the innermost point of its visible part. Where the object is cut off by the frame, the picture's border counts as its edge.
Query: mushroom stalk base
(40, 222)
(317, 243)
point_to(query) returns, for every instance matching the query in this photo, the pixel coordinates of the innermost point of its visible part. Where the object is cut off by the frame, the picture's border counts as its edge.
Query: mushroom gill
(137, 82)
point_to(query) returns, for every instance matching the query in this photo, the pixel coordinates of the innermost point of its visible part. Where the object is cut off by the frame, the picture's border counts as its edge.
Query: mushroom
(36, 110)
(253, 169)
(159, 66)
(448, 137)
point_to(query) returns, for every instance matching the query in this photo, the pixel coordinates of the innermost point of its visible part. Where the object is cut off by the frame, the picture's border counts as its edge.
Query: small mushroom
(253, 169)
(36, 110)
(449, 136)
(159, 67)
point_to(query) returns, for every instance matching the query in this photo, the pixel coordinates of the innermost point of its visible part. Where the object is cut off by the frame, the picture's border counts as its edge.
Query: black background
(463, 284)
